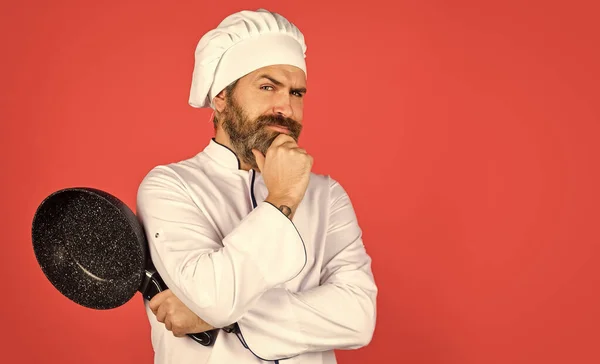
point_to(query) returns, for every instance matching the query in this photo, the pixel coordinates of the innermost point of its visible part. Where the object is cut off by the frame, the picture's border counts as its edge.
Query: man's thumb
(260, 159)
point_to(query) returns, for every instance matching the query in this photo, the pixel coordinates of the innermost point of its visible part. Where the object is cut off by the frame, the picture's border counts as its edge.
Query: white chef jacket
(298, 289)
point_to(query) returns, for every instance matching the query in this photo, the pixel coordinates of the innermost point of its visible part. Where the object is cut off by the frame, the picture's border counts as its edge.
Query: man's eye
(296, 93)
(267, 88)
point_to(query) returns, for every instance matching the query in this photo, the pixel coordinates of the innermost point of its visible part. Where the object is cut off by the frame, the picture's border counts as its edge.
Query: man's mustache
(281, 121)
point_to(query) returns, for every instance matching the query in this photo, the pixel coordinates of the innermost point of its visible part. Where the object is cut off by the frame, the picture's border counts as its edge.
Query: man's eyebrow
(279, 83)
(301, 90)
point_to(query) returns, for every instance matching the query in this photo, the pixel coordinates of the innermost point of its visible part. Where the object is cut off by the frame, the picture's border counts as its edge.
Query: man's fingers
(286, 144)
(158, 299)
(177, 318)
(161, 313)
(260, 159)
(282, 138)
(178, 334)
(290, 144)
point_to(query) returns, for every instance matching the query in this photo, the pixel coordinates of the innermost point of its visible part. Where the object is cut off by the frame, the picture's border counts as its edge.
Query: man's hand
(286, 171)
(176, 316)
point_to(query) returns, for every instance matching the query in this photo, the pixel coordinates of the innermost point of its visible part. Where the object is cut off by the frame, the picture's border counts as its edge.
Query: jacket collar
(222, 155)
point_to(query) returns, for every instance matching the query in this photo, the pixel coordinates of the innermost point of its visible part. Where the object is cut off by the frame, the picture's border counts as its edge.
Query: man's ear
(220, 102)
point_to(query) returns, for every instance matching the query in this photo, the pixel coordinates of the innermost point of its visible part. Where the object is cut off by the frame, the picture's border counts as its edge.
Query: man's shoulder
(173, 172)
(323, 180)
(324, 185)
(318, 180)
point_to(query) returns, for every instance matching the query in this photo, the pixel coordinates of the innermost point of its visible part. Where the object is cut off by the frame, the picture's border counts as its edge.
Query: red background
(465, 133)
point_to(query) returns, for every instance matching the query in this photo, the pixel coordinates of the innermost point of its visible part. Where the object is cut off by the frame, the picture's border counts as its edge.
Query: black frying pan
(93, 249)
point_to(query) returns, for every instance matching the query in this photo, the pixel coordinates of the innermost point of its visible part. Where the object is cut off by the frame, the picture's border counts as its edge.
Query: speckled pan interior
(90, 246)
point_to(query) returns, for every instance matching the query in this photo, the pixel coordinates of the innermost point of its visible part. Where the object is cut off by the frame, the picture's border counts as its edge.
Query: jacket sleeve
(340, 313)
(217, 277)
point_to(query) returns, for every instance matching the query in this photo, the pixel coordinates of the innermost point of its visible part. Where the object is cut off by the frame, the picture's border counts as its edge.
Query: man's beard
(246, 134)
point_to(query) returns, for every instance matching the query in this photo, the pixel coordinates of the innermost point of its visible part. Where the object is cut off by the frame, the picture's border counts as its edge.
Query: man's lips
(279, 129)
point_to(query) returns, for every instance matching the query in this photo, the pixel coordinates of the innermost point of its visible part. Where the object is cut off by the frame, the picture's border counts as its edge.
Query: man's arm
(218, 282)
(338, 314)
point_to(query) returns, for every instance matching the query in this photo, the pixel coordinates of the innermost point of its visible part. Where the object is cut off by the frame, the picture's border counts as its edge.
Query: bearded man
(253, 246)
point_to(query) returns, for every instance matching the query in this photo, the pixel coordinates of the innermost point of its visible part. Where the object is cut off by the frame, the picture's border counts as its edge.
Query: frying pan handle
(152, 285)
(206, 338)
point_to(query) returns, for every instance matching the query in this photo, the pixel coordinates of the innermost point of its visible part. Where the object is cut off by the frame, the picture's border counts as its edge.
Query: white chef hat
(243, 42)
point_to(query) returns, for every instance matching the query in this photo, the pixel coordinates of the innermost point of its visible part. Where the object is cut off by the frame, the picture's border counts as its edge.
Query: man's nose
(283, 105)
